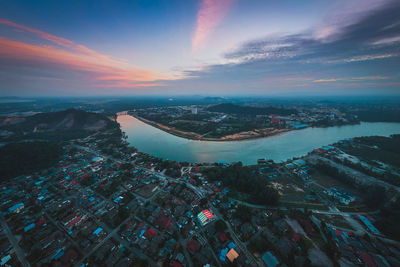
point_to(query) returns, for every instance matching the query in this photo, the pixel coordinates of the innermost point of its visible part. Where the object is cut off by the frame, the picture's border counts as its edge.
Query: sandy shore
(258, 133)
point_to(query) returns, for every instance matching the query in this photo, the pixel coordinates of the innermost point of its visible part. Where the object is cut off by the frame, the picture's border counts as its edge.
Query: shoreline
(192, 135)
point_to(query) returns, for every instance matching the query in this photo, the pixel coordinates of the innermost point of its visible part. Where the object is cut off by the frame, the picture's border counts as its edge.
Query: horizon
(225, 47)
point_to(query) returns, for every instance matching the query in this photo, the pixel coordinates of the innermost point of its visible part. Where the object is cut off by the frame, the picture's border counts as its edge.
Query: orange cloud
(101, 69)
(210, 15)
(325, 80)
(129, 85)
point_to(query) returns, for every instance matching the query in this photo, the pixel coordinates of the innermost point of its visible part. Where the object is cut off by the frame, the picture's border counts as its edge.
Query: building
(299, 162)
(269, 259)
(370, 226)
(16, 208)
(232, 255)
(97, 159)
(194, 110)
(205, 217)
(341, 195)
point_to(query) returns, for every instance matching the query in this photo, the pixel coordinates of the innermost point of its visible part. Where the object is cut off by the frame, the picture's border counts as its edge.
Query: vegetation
(28, 157)
(388, 220)
(334, 173)
(244, 180)
(379, 114)
(230, 108)
(58, 126)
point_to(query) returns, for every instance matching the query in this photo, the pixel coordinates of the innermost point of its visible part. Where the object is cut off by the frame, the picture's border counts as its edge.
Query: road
(14, 242)
(238, 242)
(201, 193)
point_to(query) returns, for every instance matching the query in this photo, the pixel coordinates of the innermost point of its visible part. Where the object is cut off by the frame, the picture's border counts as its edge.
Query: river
(282, 147)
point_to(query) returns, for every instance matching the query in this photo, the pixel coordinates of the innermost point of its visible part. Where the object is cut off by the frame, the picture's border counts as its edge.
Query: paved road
(238, 242)
(14, 243)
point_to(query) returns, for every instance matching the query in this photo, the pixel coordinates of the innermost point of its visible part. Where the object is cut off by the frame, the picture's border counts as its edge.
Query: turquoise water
(281, 147)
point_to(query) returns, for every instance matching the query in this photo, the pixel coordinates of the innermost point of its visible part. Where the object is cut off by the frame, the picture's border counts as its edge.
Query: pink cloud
(57, 40)
(99, 69)
(209, 16)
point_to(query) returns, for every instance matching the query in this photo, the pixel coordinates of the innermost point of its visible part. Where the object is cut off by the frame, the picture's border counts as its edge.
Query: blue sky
(225, 47)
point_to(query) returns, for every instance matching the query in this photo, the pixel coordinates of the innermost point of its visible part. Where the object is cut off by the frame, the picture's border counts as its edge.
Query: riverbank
(258, 133)
(281, 147)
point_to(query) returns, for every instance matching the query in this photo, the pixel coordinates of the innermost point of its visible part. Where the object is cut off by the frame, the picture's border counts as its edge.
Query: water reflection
(281, 147)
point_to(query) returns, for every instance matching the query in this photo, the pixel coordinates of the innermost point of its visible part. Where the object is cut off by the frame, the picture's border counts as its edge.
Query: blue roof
(222, 254)
(300, 125)
(369, 224)
(59, 254)
(96, 159)
(142, 232)
(98, 231)
(270, 259)
(15, 207)
(117, 199)
(29, 227)
(231, 245)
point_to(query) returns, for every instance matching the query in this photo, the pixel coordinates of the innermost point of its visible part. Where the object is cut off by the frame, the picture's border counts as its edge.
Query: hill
(55, 126)
(230, 108)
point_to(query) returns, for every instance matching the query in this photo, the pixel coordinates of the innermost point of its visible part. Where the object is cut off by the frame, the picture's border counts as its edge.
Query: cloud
(371, 78)
(97, 69)
(349, 58)
(209, 16)
(352, 79)
(388, 40)
(57, 40)
(325, 80)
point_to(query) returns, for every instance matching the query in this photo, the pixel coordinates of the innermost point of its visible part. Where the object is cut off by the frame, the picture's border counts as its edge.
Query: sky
(204, 47)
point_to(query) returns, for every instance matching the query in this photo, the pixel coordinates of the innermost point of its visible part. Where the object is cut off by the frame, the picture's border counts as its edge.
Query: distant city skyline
(226, 47)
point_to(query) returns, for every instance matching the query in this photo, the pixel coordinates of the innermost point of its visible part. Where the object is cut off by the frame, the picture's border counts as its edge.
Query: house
(232, 255)
(299, 162)
(193, 246)
(16, 208)
(205, 217)
(269, 259)
(341, 195)
(163, 221)
(150, 233)
(98, 231)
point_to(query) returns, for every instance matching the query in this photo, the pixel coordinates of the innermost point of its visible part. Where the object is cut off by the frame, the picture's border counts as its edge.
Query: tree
(220, 225)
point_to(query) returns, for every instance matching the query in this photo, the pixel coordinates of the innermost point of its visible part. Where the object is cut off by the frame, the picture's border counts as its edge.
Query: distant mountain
(56, 126)
(230, 108)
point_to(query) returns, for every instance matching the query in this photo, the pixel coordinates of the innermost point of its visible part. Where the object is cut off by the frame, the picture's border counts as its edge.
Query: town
(106, 204)
(224, 122)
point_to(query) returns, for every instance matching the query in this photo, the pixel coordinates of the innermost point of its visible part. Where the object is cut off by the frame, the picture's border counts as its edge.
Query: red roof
(177, 264)
(338, 232)
(193, 245)
(163, 221)
(275, 120)
(69, 255)
(74, 221)
(222, 237)
(150, 233)
(40, 222)
(367, 259)
(208, 214)
(296, 237)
